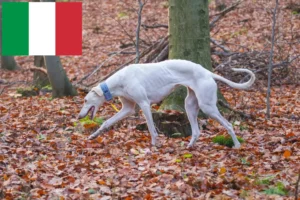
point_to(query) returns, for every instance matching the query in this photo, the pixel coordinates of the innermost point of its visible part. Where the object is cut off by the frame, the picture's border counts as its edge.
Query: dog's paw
(91, 137)
(237, 146)
(190, 147)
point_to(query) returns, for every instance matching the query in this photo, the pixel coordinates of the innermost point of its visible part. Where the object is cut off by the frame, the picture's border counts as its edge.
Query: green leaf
(178, 160)
(182, 143)
(188, 155)
(176, 135)
(158, 172)
(244, 161)
(122, 15)
(91, 191)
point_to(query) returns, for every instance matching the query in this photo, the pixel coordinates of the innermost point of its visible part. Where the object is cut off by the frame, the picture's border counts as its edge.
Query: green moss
(29, 91)
(278, 189)
(226, 140)
(48, 87)
(265, 181)
(87, 121)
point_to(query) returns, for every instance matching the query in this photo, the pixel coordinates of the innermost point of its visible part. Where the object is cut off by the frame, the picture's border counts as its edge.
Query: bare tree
(271, 60)
(60, 83)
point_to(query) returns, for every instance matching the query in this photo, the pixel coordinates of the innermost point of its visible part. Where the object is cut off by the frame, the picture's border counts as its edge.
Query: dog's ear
(97, 90)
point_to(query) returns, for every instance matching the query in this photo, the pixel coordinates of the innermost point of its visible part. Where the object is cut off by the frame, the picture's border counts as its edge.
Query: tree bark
(40, 79)
(7, 62)
(60, 83)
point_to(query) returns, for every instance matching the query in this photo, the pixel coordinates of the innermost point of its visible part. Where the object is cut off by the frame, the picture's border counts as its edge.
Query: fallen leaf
(287, 153)
(187, 155)
(222, 170)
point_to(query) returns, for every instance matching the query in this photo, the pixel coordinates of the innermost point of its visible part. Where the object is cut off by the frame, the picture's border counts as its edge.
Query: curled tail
(245, 85)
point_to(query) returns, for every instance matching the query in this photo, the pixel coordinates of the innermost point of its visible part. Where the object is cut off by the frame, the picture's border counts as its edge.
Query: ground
(44, 153)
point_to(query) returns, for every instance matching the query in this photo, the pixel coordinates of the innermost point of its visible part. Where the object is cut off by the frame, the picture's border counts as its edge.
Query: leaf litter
(44, 156)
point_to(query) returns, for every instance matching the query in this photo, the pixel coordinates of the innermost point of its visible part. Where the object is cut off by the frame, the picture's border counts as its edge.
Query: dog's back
(167, 72)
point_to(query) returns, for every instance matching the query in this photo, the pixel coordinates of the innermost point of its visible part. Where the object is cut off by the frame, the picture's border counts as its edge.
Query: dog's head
(92, 101)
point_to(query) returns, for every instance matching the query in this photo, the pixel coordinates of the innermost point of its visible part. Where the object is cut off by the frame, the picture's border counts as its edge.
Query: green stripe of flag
(15, 19)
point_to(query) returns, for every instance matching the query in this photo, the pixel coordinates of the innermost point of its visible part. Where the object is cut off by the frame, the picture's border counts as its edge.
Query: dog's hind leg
(127, 109)
(214, 113)
(207, 99)
(192, 110)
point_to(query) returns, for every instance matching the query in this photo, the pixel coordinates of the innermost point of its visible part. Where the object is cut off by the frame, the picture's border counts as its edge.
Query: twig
(141, 5)
(158, 48)
(81, 87)
(247, 116)
(211, 24)
(10, 84)
(40, 69)
(99, 66)
(124, 65)
(162, 55)
(270, 61)
(219, 45)
(280, 64)
(125, 53)
(155, 26)
(224, 12)
(2, 81)
(224, 64)
(297, 187)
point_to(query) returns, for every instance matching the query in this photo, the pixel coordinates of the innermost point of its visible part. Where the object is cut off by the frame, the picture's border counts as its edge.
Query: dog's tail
(245, 85)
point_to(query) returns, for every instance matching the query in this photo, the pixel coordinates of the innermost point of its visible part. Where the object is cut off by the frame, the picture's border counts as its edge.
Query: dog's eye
(85, 101)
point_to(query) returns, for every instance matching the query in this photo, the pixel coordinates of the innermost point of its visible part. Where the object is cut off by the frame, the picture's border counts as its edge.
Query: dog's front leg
(127, 109)
(148, 115)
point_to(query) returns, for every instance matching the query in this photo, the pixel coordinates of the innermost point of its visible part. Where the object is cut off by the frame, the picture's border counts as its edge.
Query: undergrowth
(226, 140)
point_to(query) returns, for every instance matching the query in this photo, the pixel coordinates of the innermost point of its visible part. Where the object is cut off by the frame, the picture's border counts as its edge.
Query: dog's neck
(113, 84)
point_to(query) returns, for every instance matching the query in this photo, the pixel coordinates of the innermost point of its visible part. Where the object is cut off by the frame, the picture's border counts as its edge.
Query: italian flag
(41, 28)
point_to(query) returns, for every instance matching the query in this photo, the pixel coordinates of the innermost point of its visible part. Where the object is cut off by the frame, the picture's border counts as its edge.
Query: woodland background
(43, 148)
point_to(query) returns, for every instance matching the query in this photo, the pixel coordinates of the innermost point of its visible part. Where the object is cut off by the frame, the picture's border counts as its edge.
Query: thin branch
(145, 26)
(141, 5)
(219, 45)
(124, 65)
(99, 66)
(280, 64)
(10, 84)
(2, 81)
(221, 14)
(162, 55)
(124, 53)
(270, 61)
(40, 69)
(244, 115)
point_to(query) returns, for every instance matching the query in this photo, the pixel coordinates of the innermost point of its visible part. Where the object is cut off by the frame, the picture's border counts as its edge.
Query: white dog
(144, 84)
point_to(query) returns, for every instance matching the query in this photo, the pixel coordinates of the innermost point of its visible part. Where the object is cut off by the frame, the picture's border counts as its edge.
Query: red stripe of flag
(68, 28)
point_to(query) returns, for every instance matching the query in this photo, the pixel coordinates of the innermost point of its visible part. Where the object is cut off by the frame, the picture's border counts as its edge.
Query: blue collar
(106, 91)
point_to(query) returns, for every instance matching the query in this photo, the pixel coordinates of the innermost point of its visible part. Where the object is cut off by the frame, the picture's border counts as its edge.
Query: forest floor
(45, 155)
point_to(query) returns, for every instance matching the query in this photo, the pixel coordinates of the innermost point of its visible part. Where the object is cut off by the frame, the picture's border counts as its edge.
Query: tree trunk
(7, 62)
(189, 39)
(40, 79)
(60, 83)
